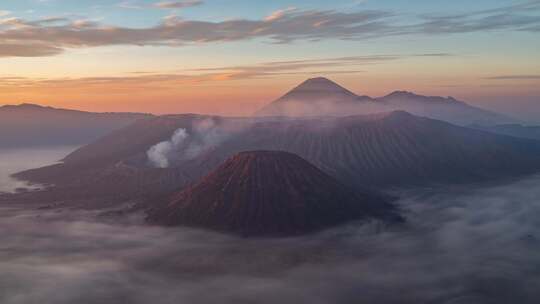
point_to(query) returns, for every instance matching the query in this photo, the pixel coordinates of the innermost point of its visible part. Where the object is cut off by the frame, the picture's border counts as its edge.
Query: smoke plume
(159, 154)
(208, 134)
(204, 134)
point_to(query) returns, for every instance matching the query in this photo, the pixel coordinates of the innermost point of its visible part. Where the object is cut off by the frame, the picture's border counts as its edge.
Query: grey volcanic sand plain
(461, 246)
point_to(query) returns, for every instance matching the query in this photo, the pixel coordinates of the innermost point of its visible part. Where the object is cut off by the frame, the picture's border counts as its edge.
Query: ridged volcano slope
(265, 193)
(391, 149)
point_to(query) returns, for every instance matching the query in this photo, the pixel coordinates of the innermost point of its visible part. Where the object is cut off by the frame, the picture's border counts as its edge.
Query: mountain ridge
(30, 125)
(323, 97)
(384, 151)
(39, 107)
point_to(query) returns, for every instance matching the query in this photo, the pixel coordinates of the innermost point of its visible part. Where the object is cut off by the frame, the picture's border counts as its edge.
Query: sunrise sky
(232, 56)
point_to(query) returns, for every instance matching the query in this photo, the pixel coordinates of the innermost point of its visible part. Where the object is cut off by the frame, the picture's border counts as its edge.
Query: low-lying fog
(15, 160)
(476, 246)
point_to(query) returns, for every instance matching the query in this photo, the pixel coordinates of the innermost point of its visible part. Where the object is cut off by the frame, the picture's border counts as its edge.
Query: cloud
(4, 13)
(468, 245)
(297, 25)
(28, 50)
(178, 4)
(280, 67)
(143, 80)
(518, 17)
(282, 26)
(514, 77)
(134, 4)
(279, 14)
(130, 5)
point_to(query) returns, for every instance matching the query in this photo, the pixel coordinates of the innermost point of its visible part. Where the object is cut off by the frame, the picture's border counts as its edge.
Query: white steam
(210, 135)
(160, 154)
(205, 134)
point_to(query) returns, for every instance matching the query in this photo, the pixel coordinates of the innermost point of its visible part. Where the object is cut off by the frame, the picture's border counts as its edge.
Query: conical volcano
(320, 85)
(314, 97)
(268, 193)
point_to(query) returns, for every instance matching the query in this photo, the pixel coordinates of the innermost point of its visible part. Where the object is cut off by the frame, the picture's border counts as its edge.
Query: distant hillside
(268, 193)
(29, 125)
(442, 108)
(323, 97)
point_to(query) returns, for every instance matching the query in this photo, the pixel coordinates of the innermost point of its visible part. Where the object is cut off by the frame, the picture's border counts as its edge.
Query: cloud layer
(141, 80)
(460, 246)
(178, 4)
(46, 37)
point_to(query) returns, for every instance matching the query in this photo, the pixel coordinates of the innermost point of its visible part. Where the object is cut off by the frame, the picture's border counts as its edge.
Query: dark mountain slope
(137, 137)
(380, 150)
(117, 165)
(392, 149)
(265, 193)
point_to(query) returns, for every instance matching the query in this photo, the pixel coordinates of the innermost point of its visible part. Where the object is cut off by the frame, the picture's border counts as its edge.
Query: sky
(232, 56)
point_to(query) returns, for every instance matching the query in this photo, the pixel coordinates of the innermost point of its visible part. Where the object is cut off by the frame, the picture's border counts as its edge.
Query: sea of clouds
(475, 245)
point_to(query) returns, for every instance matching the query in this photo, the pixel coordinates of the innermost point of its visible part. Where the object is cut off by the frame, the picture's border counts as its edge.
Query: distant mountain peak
(313, 97)
(321, 96)
(25, 106)
(30, 105)
(321, 84)
(399, 114)
(319, 80)
(402, 94)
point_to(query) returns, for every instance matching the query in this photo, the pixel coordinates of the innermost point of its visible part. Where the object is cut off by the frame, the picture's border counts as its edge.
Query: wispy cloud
(290, 26)
(178, 4)
(514, 77)
(283, 26)
(130, 4)
(145, 79)
(137, 4)
(519, 17)
(28, 50)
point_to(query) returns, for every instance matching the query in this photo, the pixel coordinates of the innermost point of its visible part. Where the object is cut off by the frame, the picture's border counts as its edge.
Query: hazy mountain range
(30, 125)
(27, 125)
(321, 96)
(377, 151)
(164, 164)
